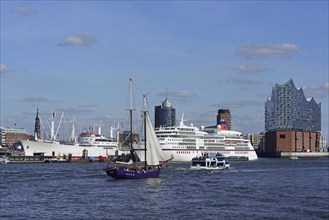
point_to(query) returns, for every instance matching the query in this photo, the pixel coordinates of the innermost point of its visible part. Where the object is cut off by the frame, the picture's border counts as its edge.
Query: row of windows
(184, 147)
(189, 152)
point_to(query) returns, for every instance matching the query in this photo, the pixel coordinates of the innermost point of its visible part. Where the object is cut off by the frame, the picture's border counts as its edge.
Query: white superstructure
(56, 149)
(185, 142)
(96, 145)
(93, 139)
(90, 144)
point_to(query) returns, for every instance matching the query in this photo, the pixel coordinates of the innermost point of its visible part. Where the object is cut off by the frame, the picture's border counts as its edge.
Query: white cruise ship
(89, 139)
(186, 142)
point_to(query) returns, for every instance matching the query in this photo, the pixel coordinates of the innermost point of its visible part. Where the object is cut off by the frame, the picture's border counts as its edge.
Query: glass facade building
(164, 115)
(289, 110)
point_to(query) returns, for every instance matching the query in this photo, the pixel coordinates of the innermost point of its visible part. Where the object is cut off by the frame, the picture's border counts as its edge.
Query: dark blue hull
(56, 161)
(131, 174)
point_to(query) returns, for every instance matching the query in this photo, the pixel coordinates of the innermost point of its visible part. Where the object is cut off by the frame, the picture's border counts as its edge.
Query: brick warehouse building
(292, 122)
(8, 136)
(291, 141)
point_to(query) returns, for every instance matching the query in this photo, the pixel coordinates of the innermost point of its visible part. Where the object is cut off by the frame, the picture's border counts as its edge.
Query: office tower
(164, 115)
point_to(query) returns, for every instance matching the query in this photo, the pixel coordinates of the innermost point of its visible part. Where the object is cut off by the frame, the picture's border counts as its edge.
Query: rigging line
(47, 121)
(83, 126)
(138, 92)
(65, 125)
(44, 129)
(59, 124)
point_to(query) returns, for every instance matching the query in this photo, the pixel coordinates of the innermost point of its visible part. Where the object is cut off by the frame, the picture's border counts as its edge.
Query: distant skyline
(77, 57)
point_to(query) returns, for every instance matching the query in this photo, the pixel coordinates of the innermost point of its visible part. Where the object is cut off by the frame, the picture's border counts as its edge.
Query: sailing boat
(152, 153)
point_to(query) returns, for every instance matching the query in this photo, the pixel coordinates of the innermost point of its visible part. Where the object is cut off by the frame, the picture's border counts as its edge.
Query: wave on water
(263, 189)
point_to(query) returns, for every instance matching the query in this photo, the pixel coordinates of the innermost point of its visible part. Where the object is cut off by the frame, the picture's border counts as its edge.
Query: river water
(262, 189)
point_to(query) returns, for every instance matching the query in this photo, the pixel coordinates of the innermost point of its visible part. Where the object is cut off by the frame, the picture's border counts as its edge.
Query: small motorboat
(56, 161)
(4, 160)
(293, 158)
(210, 162)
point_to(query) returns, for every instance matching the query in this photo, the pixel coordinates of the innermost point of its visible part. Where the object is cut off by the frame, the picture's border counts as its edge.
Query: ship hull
(182, 155)
(129, 174)
(60, 150)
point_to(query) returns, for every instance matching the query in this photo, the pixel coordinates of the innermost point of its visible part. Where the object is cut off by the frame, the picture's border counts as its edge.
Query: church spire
(37, 134)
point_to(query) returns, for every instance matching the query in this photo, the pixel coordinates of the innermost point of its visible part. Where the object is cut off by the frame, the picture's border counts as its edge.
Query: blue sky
(77, 57)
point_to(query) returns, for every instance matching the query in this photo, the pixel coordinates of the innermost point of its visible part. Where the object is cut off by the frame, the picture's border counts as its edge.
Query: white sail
(154, 152)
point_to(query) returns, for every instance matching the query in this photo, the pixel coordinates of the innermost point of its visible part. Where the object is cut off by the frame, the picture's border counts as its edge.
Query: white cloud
(178, 94)
(317, 91)
(238, 104)
(244, 81)
(75, 111)
(84, 39)
(3, 68)
(35, 99)
(249, 69)
(88, 106)
(23, 10)
(266, 51)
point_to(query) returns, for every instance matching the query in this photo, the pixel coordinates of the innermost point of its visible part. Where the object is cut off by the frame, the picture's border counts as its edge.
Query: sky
(77, 57)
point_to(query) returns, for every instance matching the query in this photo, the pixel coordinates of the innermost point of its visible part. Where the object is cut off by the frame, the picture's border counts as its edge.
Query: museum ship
(90, 145)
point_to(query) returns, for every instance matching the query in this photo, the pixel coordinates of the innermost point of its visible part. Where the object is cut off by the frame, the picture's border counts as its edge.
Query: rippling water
(262, 189)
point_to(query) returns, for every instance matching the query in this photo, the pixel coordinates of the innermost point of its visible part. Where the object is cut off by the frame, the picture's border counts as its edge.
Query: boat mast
(131, 119)
(144, 114)
(52, 127)
(73, 137)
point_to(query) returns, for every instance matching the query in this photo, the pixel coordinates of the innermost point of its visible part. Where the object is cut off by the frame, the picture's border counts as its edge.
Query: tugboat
(210, 161)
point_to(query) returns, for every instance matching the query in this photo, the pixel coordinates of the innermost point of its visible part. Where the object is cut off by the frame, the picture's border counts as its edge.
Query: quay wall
(304, 154)
(292, 153)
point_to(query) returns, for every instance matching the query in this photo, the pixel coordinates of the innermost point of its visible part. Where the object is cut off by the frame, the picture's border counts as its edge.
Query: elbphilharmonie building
(288, 109)
(292, 122)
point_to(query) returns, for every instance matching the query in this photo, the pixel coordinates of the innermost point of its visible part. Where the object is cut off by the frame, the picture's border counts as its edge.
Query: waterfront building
(292, 122)
(164, 115)
(257, 141)
(125, 140)
(11, 135)
(224, 114)
(324, 147)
